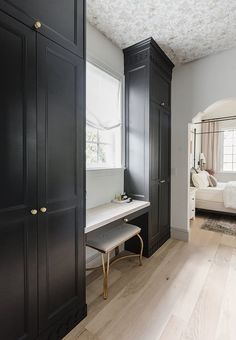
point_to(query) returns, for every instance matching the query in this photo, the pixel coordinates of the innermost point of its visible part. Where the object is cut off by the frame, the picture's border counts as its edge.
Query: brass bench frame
(106, 263)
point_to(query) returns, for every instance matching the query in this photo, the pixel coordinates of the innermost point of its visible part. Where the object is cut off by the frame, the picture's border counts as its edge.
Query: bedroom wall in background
(102, 185)
(224, 177)
(195, 86)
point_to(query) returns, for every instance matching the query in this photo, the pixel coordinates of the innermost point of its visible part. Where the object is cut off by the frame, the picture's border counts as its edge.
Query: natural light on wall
(229, 151)
(103, 119)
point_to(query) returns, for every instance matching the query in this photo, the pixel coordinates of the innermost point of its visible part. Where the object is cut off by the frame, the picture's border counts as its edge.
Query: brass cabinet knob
(34, 212)
(37, 25)
(126, 220)
(43, 209)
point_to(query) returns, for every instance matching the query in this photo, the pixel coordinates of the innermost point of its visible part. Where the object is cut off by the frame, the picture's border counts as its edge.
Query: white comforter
(229, 195)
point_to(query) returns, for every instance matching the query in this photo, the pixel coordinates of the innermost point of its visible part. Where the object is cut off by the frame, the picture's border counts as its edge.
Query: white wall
(103, 50)
(195, 86)
(225, 177)
(102, 185)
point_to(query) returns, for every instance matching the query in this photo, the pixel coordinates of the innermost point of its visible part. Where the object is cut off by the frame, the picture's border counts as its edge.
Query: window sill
(105, 169)
(226, 172)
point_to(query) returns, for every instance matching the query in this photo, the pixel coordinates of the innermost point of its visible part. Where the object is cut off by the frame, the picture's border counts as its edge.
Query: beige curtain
(210, 144)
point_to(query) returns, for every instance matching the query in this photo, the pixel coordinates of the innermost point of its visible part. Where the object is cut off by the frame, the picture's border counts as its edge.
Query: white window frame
(121, 78)
(221, 153)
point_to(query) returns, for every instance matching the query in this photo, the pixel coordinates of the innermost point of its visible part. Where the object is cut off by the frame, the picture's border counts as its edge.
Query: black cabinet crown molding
(147, 50)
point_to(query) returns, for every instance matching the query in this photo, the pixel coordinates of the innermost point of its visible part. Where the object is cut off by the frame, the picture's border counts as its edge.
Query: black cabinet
(60, 183)
(42, 167)
(61, 21)
(148, 73)
(18, 228)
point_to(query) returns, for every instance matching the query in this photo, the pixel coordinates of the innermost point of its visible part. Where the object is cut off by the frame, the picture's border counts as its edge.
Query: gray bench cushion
(107, 238)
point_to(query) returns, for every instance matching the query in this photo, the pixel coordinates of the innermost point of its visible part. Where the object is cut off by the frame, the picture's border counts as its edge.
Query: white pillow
(212, 181)
(200, 180)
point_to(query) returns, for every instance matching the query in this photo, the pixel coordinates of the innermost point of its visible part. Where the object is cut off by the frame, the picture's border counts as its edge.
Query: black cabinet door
(154, 167)
(164, 172)
(160, 87)
(62, 20)
(18, 227)
(61, 127)
(137, 134)
(160, 172)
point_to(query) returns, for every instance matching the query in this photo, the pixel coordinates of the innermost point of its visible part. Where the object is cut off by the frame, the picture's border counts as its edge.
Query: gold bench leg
(105, 267)
(141, 250)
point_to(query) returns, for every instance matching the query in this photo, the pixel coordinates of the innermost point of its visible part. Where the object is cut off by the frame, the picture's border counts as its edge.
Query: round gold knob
(43, 209)
(34, 212)
(37, 25)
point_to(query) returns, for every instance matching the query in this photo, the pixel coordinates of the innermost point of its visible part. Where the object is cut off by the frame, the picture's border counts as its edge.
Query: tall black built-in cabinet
(148, 73)
(42, 168)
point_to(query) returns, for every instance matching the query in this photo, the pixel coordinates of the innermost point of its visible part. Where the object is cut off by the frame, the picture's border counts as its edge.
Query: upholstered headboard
(192, 171)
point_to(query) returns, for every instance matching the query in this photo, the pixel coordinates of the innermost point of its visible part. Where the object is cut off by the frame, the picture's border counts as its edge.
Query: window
(103, 119)
(229, 150)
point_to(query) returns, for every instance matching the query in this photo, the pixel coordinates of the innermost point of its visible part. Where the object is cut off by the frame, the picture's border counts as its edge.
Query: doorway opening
(212, 168)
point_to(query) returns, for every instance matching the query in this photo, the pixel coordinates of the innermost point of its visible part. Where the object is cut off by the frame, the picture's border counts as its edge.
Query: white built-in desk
(111, 213)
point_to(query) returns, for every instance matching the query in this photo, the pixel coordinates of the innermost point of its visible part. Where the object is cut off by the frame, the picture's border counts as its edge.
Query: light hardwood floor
(184, 291)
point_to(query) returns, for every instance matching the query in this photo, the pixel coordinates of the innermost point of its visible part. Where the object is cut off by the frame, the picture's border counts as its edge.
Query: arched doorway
(212, 147)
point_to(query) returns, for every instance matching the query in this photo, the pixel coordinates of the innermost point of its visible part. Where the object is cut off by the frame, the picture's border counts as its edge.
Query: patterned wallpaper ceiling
(185, 29)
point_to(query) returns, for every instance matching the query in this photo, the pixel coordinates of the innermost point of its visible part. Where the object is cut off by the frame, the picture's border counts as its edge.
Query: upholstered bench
(107, 239)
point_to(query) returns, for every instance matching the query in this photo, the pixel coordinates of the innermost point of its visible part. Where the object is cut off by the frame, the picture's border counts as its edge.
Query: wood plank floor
(185, 291)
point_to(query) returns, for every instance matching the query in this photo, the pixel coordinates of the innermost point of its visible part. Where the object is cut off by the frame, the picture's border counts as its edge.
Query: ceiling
(185, 29)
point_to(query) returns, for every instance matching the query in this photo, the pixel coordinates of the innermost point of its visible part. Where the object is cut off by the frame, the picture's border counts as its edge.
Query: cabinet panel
(18, 279)
(165, 131)
(18, 94)
(164, 195)
(62, 21)
(136, 132)
(61, 127)
(59, 250)
(154, 212)
(154, 140)
(164, 210)
(160, 88)
(18, 237)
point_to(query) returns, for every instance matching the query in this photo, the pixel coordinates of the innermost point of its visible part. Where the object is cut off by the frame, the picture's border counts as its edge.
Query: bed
(211, 199)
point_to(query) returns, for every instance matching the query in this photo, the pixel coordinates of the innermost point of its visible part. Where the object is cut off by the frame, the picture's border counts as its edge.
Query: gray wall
(195, 86)
(102, 185)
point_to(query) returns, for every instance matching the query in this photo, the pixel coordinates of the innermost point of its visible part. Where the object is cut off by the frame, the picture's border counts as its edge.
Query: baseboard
(180, 234)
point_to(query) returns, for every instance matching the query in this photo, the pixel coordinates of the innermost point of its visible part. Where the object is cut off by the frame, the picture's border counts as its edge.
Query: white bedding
(229, 195)
(213, 194)
(215, 198)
